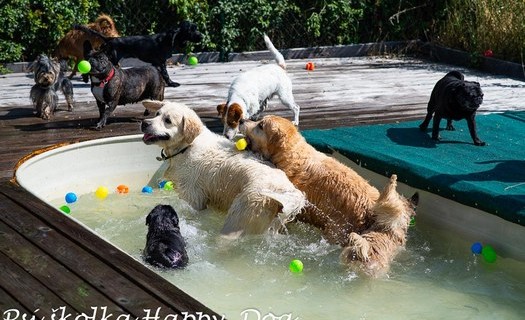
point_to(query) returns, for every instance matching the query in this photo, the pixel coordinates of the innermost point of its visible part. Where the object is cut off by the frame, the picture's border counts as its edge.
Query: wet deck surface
(48, 261)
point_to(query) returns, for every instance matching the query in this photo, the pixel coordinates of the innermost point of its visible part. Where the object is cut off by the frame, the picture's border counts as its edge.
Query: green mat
(490, 178)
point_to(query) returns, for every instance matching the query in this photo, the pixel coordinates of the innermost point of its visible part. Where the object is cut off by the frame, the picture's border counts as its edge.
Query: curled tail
(277, 55)
(91, 31)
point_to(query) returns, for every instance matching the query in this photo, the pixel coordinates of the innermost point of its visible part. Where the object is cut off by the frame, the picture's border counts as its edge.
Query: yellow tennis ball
(101, 193)
(241, 144)
(84, 66)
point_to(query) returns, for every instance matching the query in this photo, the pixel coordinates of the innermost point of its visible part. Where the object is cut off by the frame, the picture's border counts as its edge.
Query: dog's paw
(480, 143)
(450, 128)
(173, 84)
(423, 127)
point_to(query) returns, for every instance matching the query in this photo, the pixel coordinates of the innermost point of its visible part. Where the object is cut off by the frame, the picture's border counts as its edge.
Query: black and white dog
(454, 98)
(165, 246)
(114, 86)
(155, 49)
(49, 78)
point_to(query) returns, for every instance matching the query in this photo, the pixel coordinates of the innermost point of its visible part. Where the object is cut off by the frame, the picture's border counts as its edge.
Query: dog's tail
(292, 202)
(392, 212)
(277, 55)
(91, 31)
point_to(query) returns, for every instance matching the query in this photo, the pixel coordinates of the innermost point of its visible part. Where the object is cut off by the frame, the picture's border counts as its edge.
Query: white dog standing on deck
(208, 171)
(250, 91)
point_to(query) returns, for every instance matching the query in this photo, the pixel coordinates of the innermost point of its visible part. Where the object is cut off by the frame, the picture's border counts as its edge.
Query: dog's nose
(241, 121)
(144, 125)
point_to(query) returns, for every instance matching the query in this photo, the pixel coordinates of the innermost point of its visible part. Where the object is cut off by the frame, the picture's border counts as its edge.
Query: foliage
(32, 27)
(480, 25)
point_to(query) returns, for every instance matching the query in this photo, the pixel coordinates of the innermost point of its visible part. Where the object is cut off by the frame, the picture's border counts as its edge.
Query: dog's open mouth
(149, 138)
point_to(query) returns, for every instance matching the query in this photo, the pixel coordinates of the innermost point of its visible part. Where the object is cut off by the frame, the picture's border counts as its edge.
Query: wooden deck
(49, 262)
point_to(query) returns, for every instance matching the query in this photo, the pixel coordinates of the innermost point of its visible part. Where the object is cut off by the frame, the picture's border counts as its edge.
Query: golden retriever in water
(72, 44)
(208, 171)
(370, 225)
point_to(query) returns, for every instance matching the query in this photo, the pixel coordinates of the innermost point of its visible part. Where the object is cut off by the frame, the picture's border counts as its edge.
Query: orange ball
(310, 66)
(122, 189)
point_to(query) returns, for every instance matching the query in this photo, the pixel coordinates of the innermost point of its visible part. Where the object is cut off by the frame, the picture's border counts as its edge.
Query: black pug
(165, 246)
(114, 86)
(453, 98)
(49, 78)
(155, 49)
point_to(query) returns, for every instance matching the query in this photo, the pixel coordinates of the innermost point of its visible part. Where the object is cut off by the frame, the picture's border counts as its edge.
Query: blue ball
(162, 183)
(476, 248)
(71, 197)
(147, 189)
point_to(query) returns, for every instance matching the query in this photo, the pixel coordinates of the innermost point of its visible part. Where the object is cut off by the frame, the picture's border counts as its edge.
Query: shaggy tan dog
(71, 46)
(208, 171)
(371, 226)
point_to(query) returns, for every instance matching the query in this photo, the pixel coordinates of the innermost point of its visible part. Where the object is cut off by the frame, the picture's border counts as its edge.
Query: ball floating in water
(101, 192)
(412, 222)
(168, 185)
(162, 183)
(147, 189)
(71, 197)
(84, 66)
(476, 248)
(310, 66)
(122, 188)
(65, 209)
(488, 253)
(241, 144)
(192, 61)
(296, 266)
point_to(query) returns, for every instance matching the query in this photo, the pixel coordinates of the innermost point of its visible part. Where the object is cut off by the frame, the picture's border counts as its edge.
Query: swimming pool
(436, 276)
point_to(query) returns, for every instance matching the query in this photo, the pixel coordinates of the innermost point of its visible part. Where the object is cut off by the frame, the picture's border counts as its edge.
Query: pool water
(436, 277)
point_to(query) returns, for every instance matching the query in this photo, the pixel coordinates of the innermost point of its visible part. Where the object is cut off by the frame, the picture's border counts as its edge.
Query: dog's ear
(87, 48)
(221, 109)
(191, 128)
(148, 219)
(153, 105)
(414, 200)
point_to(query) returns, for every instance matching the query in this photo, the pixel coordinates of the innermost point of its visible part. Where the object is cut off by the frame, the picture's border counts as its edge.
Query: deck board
(340, 92)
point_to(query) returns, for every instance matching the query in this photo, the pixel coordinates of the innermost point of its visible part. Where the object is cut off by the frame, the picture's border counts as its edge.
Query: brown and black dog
(370, 225)
(113, 86)
(71, 46)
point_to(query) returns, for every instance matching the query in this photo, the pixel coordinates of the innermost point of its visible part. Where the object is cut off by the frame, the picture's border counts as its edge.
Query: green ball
(84, 66)
(65, 209)
(296, 266)
(488, 253)
(168, 186)
(193, 60)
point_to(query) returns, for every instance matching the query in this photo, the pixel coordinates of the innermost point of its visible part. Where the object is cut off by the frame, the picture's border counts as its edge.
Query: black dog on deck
(453, 98)
(155, 49)
(49, 78)
(114, 86)
(165, 246)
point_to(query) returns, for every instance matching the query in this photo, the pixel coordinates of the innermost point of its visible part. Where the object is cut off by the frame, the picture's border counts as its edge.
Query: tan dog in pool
(370, 225)
(208, 171)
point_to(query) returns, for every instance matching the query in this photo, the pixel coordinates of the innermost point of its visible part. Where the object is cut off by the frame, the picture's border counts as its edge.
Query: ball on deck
(84, 66)
(101, 193)
(65, 209)
(310, 66)
(168, 186)
(241, 144)
(476, 248)
(488, 253)
(192, 61)
(147, 189)
(71, 197)
(122, 188)
(296, 266)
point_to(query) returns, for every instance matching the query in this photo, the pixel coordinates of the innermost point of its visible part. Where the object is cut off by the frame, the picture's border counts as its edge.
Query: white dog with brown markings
(370, 225)
(208, 171)
(250, 91)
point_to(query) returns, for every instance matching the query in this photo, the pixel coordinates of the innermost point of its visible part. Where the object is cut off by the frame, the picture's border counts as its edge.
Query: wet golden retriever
(370, 225)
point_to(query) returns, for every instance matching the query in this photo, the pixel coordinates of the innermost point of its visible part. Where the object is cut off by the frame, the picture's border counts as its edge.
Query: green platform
(490, 178)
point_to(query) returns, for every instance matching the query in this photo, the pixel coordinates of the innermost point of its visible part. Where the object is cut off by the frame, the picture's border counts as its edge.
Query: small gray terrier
(49, 78)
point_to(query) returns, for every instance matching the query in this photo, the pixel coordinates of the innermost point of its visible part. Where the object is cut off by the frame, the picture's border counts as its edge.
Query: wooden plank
(56, 277)
(34, 295)
(8, 302)
(130, 284)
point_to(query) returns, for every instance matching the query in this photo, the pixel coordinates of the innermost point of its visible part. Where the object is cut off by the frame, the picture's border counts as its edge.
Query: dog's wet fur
(154, 49)
(454, 98)
(49, 78)
(165, 246)
(113, 86)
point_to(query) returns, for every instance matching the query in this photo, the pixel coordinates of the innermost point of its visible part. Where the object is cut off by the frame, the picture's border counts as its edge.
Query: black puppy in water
(453, 98)
(165, 246)
(115, 86)
(155, 49)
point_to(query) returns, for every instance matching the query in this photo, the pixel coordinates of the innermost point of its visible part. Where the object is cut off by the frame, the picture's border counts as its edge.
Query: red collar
(108, 78)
